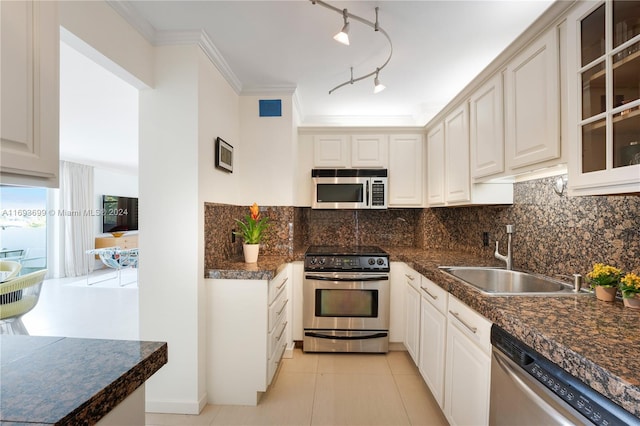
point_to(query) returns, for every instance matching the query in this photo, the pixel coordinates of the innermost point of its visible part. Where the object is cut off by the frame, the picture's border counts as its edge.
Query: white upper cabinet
(29, 119)
(356, 151)
(405, 170)
(331, 151)
(604, 98)
(456, 136)
(533, 103)
(486, 129)
(448, 177)
(435, 166)
(369, 151)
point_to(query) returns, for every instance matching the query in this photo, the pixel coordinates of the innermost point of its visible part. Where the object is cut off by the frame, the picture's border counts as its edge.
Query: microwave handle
(367, 197)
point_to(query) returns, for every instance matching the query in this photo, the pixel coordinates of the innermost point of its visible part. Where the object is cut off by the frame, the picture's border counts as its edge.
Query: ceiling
(266, 47)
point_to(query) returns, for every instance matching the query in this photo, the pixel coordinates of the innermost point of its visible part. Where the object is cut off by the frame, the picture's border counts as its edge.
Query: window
(23, 226)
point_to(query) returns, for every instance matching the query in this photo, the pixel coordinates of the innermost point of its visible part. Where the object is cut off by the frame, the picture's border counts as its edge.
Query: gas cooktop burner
(346, 259)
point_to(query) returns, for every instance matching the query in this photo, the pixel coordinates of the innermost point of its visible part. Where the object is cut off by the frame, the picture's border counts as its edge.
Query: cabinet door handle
(283, 306)
(431, 295)
(474, 330)
(284, 327)
(283, 283)
(411, 277)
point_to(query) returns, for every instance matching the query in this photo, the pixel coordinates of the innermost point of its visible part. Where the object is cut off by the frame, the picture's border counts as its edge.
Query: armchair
(17, 297)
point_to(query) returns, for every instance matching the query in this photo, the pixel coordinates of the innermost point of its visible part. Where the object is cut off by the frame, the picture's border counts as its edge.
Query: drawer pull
(283, 306)
(284, 346)
(474, 330)
(431, 295)
(411, 277)
(284, 327)
(283, 283)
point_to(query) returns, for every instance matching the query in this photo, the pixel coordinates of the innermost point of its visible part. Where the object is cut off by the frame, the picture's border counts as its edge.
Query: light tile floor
(331, 389)
(309, 389)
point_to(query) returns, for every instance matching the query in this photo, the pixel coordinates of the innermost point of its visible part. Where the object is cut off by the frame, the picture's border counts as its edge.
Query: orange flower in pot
(252, 232)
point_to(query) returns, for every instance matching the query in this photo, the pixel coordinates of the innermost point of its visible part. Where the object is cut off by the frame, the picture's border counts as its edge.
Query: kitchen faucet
(508, 259)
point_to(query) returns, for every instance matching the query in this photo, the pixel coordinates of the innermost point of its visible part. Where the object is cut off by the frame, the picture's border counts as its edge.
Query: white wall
(218, 116)
(95, 26)
(169, 228)
(267, 154)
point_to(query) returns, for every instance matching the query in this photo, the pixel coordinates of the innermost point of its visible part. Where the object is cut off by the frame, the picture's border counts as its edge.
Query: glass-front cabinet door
(604, 97)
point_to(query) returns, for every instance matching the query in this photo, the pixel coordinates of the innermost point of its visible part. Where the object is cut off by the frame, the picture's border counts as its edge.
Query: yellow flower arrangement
(253, 228)
(604, 276)
(630, 285)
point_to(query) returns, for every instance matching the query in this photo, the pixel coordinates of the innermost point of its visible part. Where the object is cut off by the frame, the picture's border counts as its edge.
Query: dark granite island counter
(58, 380)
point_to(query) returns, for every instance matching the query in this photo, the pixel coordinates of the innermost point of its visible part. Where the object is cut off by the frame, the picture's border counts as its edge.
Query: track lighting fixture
(343, 37)
(377, 86)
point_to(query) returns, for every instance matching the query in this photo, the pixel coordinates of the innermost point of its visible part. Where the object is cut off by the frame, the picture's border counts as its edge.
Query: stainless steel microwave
(349, 188)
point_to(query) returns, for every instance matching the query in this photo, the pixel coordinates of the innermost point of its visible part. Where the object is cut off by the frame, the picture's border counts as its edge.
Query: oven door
(341, 193)
(346, 312)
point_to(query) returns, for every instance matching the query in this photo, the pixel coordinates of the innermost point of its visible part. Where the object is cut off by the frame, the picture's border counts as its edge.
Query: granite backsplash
(553, 234)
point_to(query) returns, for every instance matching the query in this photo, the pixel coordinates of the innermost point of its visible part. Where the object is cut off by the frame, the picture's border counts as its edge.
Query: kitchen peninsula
(58, 380)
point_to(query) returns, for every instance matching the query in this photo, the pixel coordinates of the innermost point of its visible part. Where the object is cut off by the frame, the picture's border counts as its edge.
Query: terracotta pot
(632, 302)
(250, 252)
(607, 294)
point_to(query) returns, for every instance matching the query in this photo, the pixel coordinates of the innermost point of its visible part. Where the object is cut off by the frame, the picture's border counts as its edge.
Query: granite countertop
(597, 342)
(266, 268)
(59, 380)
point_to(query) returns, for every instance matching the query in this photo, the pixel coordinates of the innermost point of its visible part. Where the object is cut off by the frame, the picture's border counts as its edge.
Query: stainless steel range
(346, 299)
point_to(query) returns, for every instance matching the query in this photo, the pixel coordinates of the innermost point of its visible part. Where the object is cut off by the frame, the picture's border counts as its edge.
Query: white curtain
(78, 206)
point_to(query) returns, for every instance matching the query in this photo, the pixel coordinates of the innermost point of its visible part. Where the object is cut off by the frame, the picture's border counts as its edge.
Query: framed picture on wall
(224, 155)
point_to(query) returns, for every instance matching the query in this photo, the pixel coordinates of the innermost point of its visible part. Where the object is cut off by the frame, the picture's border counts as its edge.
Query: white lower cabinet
(412, 313)
(433, 335)
(468, 366)
(396, 302)
(248, 331)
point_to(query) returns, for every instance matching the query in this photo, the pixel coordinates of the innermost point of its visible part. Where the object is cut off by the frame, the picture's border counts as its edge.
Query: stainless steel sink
(503, 282)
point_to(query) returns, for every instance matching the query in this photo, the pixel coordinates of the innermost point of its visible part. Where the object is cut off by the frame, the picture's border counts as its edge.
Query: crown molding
(164, 38)
(126, 10)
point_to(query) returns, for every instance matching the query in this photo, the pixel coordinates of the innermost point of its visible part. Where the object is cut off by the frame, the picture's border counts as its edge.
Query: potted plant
(604, 279)
(252, 232)
(630, 288)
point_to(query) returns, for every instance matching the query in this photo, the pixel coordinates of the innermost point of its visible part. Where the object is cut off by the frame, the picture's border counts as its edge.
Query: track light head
(377, 86)
(343, 35)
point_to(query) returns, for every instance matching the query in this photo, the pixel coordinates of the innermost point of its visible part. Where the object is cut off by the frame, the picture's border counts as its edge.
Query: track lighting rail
(376, 26)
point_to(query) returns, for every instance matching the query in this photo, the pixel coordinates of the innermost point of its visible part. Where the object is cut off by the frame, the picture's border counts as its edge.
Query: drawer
(471, 323)
(278, 284)
(277, 336)
(278, 309)
(412, 278)
(274, 362)
(434, 294)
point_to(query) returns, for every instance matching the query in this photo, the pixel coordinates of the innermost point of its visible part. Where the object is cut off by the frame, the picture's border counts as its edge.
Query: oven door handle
(349, 279)
(326, 336)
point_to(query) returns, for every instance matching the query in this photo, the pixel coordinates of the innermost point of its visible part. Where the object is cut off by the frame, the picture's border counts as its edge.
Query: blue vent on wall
(270, 107)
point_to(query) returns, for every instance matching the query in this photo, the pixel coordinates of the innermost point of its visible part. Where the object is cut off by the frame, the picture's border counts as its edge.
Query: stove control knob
(322, 260)
(372, 261)
(380, 261)
(313, 261)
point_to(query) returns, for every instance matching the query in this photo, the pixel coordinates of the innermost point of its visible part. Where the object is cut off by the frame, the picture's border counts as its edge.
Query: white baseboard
(288, 352)
(176, 407)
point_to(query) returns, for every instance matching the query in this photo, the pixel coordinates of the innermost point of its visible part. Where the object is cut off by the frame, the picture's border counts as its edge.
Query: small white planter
(250, 252)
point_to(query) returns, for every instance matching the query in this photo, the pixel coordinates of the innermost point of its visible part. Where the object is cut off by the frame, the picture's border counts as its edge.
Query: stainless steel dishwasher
(528, 389)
